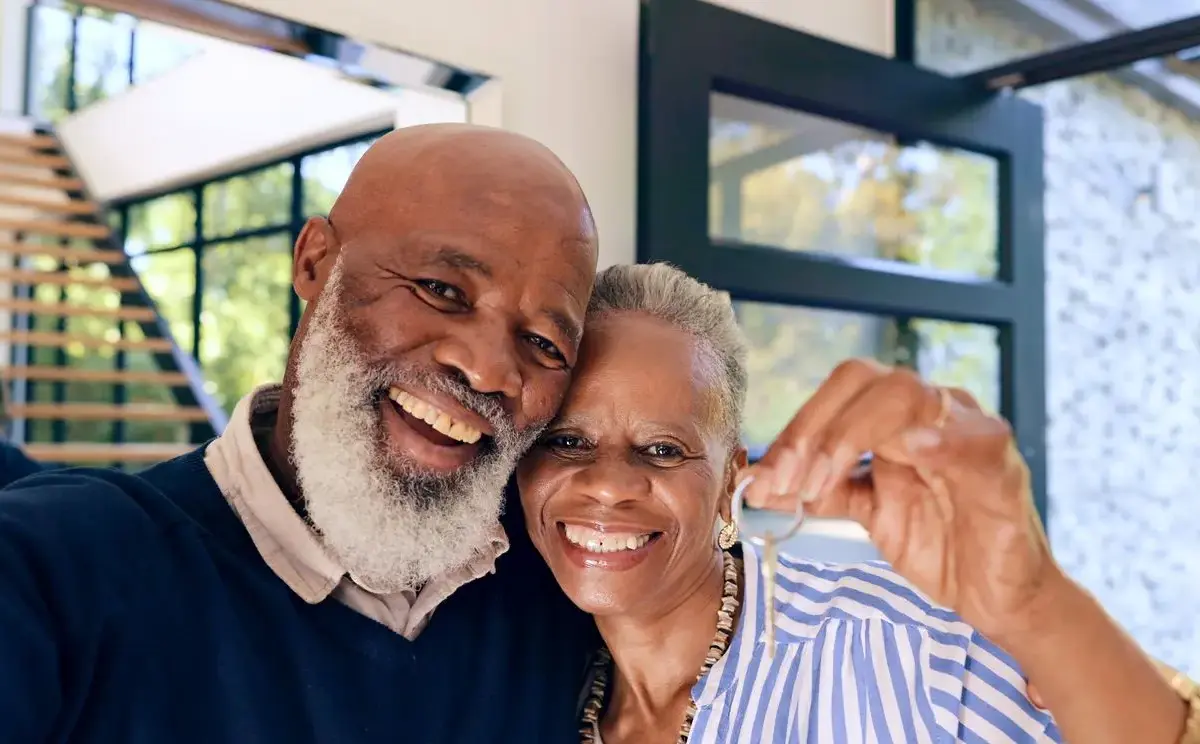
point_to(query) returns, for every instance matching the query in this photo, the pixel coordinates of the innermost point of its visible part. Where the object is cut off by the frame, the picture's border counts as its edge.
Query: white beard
(392, 525)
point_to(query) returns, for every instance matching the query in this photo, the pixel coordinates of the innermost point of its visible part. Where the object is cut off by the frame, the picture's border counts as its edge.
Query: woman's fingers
(787, 456)
(862, 407)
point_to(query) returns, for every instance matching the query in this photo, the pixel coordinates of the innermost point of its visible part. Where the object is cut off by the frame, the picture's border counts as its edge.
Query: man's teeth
(438, 419)
(605, 542)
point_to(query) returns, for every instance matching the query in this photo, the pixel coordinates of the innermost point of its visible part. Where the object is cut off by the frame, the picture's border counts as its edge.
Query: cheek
(373, 329)
(395, 322)
(692, 500)
(535, 482)
(542, 395)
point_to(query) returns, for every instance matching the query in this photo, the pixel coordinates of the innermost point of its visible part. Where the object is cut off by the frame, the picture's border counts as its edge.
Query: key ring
(770, 541)
(770, 558)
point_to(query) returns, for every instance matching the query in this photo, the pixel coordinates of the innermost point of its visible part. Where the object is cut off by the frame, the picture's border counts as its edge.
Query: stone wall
(1123, 330)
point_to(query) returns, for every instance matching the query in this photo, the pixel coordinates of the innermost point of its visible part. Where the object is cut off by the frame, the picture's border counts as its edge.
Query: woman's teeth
(595, 541)
(438, 419)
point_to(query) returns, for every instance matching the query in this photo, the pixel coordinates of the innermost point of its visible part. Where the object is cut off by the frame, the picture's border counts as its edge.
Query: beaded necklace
(593, 707)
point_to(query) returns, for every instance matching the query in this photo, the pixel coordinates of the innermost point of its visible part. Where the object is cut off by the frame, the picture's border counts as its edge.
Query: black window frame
(691, 49)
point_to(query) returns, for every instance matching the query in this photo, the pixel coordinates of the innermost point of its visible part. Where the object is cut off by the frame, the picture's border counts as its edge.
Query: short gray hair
(665, 293)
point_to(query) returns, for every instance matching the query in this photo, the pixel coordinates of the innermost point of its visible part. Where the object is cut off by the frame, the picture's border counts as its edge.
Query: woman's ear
(737, 464)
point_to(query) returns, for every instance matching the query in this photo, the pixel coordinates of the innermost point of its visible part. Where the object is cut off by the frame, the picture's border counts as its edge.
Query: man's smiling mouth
(435, 418)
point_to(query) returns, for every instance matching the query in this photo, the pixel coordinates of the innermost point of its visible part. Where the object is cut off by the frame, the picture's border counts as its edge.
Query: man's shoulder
(73, 510)
(73, 507)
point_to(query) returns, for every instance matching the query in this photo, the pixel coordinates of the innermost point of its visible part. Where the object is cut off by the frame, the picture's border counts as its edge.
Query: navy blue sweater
(135, 609)
(15, 464)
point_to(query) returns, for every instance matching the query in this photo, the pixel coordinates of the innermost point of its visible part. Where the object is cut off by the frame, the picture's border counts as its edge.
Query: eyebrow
(565, 326)
(454, 258)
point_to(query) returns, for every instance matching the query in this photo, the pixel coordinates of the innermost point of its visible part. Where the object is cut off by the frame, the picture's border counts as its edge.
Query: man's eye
(441, 290)
(546, 346)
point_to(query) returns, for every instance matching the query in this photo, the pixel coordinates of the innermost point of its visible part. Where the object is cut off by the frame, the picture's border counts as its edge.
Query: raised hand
(947, 500)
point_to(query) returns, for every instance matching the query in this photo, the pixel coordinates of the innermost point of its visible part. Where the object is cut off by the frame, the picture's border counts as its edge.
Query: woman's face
(622, 493)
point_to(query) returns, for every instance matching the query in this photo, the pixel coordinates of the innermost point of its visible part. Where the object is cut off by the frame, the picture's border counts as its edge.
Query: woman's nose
(612, 481)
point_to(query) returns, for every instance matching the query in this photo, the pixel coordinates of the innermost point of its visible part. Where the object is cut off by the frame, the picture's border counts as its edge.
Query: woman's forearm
(1096, 682)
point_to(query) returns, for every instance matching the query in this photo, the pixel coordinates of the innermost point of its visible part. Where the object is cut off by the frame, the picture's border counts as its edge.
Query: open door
(852, 205)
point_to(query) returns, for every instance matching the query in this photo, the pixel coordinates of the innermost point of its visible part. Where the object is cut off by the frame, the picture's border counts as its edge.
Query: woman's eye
(564, 442)
(664, 451)
(441, 290)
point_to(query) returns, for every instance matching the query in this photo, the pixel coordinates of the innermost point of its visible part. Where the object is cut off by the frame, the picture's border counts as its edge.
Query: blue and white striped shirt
(860, 656)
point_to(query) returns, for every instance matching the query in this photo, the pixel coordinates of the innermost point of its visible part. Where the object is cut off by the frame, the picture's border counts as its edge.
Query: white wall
(223, 108)
(12, 56)
(866, 24)
(568, 67)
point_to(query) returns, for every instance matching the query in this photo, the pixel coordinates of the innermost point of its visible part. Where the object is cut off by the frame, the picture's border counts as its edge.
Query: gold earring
(728, 536)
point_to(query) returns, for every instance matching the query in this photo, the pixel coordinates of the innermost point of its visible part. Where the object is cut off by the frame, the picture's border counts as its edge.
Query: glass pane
(158, 49)
(801, 182)
(102, 58)
(170, 279)
(50, 58)
(325, 174)
(793, 349)
(259, 199)
(161, 223)
(244, 322)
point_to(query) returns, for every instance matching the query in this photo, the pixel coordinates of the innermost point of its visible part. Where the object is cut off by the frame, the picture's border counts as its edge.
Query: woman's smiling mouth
(596, 541)
(608, 549)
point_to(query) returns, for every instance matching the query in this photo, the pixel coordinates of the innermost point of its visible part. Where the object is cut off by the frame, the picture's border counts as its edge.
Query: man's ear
(739, 460)
(312, 258)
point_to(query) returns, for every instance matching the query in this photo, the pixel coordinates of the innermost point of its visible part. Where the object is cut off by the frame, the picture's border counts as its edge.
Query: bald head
(457, 168)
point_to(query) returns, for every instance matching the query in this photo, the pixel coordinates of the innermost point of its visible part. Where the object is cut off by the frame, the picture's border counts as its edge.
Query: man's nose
(612, 481)
(487, 356)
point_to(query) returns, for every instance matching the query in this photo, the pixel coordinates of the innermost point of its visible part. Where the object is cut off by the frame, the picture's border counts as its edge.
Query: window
(80, 55)
(158, 49)
(325, 174)
(240, 326)
(258, 199)
(49, 64)
(164, 222)
(803, 182)
(170, 278)
(244, 323)
(793, 349)
(102, 56)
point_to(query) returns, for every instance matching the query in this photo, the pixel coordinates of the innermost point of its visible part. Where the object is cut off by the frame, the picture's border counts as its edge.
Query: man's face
(440, 344)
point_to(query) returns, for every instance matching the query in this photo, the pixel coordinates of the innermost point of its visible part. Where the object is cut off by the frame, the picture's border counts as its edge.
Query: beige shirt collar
(291, 549)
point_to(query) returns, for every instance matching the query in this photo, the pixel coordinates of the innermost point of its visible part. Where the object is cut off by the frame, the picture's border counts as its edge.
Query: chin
(599, 588)
(597, 595)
